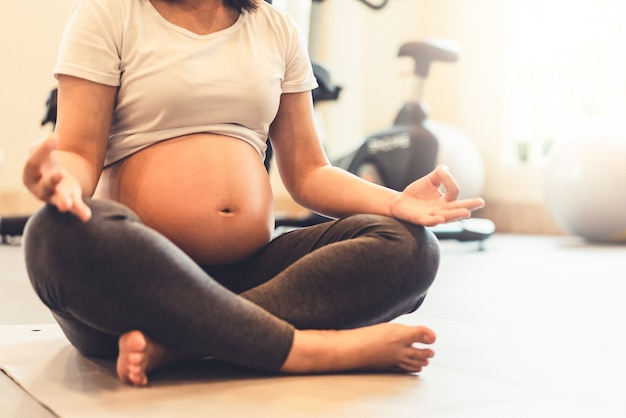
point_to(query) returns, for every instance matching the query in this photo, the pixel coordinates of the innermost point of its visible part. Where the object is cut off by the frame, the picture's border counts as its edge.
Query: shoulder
(271, 10)
(273, 16)
(106, 10)
(108, 18)
(271, 22)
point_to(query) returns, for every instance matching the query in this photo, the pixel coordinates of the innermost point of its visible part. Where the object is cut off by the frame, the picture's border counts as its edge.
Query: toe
(424, 335)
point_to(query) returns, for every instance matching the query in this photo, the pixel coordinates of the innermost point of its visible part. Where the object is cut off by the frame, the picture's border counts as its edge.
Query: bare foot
(384, 346)
(138, 355)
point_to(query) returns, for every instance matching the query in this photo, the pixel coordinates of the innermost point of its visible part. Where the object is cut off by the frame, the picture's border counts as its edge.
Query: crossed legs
(118, 288)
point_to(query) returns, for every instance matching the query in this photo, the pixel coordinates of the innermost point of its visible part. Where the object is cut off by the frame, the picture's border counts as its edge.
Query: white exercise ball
(459, 152)
(585, 181)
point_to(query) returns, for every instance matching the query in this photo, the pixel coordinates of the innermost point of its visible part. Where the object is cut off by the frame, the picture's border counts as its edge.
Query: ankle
(312, 351)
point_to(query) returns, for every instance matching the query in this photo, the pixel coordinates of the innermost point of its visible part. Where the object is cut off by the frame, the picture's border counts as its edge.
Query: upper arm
(296, 143)
(84, 115)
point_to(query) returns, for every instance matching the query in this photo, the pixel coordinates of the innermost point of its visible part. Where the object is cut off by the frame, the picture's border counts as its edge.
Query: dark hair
(238, 5)
(241, 5)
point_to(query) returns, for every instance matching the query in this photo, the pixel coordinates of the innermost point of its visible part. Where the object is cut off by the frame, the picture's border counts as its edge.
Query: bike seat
(428, 51)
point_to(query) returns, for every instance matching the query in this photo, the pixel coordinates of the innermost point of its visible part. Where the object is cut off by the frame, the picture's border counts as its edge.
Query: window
(566, 63)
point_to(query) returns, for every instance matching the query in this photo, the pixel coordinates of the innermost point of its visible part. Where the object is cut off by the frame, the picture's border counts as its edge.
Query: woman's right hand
(46, 179)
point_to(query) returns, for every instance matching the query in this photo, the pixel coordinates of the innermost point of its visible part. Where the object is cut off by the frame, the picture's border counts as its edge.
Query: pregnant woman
(156, 245)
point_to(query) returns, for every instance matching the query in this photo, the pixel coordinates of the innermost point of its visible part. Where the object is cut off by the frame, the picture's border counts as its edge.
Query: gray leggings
(113, 274)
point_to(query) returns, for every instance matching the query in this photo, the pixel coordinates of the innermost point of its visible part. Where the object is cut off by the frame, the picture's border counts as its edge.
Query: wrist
(393, 201)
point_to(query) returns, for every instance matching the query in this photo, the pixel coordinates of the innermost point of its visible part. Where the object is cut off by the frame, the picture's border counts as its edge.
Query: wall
(30, 32)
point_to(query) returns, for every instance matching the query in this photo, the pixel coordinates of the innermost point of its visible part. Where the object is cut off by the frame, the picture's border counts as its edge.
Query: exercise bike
(405, 152)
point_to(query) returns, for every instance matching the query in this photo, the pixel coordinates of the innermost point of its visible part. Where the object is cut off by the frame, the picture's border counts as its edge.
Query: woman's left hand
(433, 200)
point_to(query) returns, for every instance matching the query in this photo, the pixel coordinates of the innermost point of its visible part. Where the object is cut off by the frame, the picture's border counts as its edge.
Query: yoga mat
(46, 366)
(43, 363)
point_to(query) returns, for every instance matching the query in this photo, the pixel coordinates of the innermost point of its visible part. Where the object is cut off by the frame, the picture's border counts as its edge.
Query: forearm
(334, 192)
(80, 169)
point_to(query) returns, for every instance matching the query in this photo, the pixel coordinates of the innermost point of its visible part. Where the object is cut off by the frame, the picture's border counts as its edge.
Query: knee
(424, 250)
(412, 255)
(57, 245)
(46, 236)
(417, 248)
(422, 258)
(44, 249)
(415, 242)
(50, 234)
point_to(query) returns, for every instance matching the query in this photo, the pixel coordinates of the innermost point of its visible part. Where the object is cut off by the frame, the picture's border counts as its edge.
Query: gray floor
(530, 327)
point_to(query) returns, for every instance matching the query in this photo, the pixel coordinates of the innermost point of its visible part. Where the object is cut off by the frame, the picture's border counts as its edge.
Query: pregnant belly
(209, 194)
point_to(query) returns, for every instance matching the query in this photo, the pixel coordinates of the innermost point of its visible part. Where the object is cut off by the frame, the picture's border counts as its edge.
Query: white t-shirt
(173, 82)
